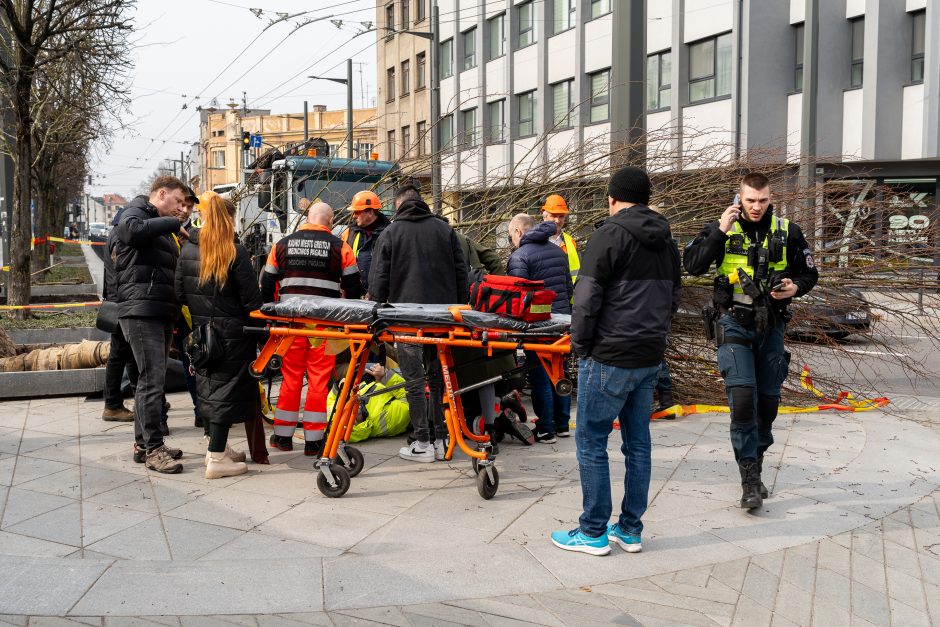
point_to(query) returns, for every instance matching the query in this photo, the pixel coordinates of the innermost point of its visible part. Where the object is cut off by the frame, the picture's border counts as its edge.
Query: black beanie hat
(630, 184)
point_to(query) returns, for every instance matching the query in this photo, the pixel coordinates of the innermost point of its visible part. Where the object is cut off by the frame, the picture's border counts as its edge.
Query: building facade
(219, 157)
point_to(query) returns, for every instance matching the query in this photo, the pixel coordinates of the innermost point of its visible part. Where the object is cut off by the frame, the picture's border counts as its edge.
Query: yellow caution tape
(51, 305)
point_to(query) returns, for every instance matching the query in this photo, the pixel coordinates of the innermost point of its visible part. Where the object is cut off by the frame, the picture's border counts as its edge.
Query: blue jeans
(606, 393)
(753, 374)
(553, 411)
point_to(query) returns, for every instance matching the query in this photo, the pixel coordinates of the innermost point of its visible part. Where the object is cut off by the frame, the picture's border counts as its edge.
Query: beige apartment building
(404, 77)
(219, 157)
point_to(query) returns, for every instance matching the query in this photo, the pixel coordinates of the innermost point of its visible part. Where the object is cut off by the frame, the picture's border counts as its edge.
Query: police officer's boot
(764, 492)
(750, 486)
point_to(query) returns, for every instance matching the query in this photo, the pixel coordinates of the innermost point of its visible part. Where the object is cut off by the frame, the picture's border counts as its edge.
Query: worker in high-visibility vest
(555, 210)
(361, 236)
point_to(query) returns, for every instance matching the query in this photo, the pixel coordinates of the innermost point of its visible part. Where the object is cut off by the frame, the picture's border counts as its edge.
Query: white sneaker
(440, 449)
(417, 452)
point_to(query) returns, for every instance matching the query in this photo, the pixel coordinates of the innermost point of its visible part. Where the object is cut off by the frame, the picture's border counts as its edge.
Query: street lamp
(434, 37)
(348, 82)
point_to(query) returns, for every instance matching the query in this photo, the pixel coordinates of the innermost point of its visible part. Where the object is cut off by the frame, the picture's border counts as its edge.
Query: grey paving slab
(26, 546)
(191, 539)
(253, 545)
(10, 440)
(25, 504)
(67, 483)
(101, 521)
(350, 581)
(63, 525)
(232, 508)
(7, 464)
(46, 586)
(29, 469)
(198, 588)
(325, 522)
(137, 495)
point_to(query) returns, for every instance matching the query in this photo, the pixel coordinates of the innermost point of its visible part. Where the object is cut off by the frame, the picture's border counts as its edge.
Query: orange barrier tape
(51, 305)
(43, 240)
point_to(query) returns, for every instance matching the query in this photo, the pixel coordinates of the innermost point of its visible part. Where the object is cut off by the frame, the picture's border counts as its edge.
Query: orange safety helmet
(365, 200)
(556, 205)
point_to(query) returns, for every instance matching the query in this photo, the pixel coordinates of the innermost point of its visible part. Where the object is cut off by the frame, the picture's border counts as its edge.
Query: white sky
(183, 49)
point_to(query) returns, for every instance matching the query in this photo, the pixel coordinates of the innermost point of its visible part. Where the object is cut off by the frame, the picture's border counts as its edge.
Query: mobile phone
(777, 287)
(737, 200)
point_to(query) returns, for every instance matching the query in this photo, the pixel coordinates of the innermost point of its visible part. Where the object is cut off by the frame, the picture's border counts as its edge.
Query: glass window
(405, 16)
(389, 21)
(469, 48)
(218, 158)
(422, 128)
(405, 141)
(600, 96)
(858, 51)
(710, 64)
(798, 58)
(917, 47)
(659, 81)
(421, 63)
(405, 77)
(526, 21)
(421, 12)
(599, 8)
(526, 106)
(364, 151)
(469, 121)
(563, 15)
(390, 84)
(495, 121)
(447, 132)
(447, 58)
(497, 36)
(561, 104)
(391, 146)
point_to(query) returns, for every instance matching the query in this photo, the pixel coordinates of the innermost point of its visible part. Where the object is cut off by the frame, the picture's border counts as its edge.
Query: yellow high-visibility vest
(574, 262)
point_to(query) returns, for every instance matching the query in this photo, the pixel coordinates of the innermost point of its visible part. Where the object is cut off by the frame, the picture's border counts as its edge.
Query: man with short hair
(555, 211)
(537, 259)
(418, 260)
(144, 257)
(763, 263)
(312, 262)
(366, 210)
(623, 304)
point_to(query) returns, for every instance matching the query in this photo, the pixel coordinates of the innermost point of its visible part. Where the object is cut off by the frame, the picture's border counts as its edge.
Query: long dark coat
(227, 393)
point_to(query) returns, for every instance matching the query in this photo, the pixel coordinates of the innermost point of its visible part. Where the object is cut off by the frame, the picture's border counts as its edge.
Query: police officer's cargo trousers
(754, 366)
(300, 359)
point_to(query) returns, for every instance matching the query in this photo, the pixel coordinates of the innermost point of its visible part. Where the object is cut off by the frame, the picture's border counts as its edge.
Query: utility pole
(807, 175)
(306, 124)
(348, 82)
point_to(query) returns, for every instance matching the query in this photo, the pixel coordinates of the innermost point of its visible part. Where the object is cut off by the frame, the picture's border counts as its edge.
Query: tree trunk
(22, 233)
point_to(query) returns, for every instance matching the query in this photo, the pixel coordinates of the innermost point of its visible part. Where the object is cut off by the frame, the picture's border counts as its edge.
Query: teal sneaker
(630, 544)
(574, 540)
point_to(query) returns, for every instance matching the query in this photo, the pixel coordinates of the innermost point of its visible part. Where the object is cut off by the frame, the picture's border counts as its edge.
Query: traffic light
(246, 140)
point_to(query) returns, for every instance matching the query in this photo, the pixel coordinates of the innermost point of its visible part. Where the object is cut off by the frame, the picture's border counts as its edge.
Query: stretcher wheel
(486, 488)
(275, 363)
(564, 387)
(356, 461)
(342, 483)
(475, 463)
(256, 375)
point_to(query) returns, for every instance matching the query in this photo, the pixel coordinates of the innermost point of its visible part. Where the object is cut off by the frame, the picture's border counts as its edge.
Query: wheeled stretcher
(362, 324)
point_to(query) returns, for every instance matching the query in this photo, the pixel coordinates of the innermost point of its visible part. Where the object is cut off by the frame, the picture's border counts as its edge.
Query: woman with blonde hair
(214, 277)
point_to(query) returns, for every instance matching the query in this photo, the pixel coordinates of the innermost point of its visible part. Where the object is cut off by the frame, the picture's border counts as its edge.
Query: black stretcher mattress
(341, 310)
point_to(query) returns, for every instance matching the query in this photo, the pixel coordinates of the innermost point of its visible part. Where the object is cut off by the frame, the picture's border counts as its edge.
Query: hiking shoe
(140, 454)
(282, 442)
(118, 414)
(563, 432)
(417, 452)
(162, 460)
(575, 540)
(440, 450)
(627, 542)
(313, 449)
(545, 438)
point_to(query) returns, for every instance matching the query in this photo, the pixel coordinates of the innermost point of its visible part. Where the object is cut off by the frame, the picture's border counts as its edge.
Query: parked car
(827, 311)
(98, 229)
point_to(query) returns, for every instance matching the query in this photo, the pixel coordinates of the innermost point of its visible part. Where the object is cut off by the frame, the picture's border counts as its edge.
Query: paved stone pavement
(851, 534)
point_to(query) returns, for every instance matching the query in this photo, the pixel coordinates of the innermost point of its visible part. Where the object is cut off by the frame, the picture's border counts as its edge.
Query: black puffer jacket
(627, 291)
(144, 256)
(537, 259)
(418, 260)
(227, 393)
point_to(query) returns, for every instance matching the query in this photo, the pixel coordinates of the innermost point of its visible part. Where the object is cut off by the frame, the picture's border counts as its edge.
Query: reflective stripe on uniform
(270, 269)
(312, 436)
(350, 270)
(574, 262)
(383, 426)
(286, 416)
(308, 282)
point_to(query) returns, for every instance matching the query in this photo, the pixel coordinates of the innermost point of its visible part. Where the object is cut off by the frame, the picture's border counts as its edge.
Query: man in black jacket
(626, 294)
(418, 260)
(144, 256)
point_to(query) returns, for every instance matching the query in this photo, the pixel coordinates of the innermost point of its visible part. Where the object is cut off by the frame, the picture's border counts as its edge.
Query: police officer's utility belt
(742, 314)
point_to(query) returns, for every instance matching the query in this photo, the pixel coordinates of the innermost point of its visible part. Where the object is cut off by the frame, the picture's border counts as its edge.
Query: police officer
(763, 262)
(361, 236)
(555, 210)
(313, 262)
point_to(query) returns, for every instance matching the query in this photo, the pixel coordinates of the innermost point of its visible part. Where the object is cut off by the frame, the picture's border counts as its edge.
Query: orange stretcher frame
(334, 479)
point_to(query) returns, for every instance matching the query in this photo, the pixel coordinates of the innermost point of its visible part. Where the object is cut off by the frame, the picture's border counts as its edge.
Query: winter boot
(764, 492)
(230, 454)
(282, 442)
(117, 414)
(219, 465)
(750, 486)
